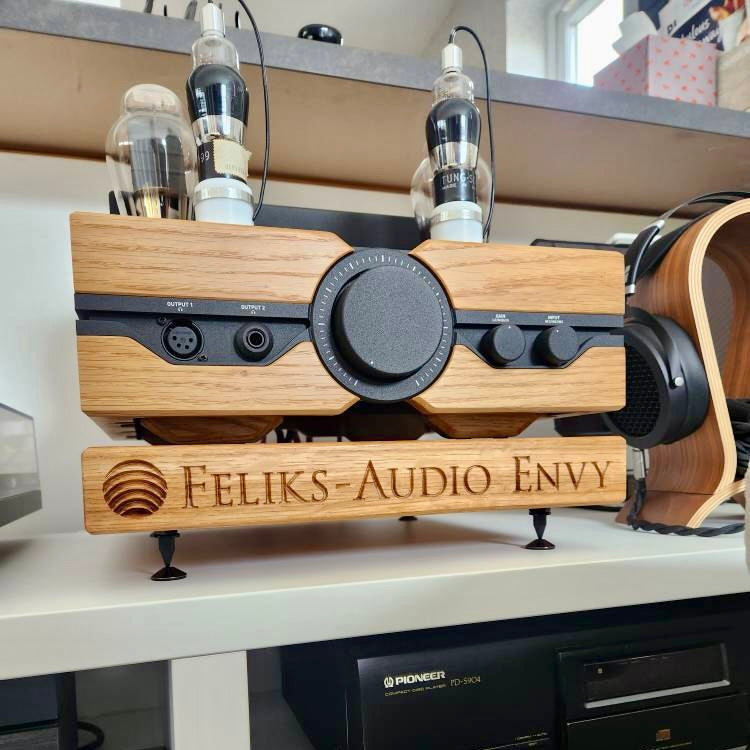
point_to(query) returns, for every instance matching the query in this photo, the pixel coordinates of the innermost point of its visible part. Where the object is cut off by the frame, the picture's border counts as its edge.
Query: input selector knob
(557, 345)
(387, 323)
(503, 344)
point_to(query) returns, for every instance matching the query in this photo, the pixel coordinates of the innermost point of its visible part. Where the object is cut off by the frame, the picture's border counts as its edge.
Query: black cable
(662, 528)
(602, 508)
(99, 735)
(488, 99)
(264, 75)
(739, 413)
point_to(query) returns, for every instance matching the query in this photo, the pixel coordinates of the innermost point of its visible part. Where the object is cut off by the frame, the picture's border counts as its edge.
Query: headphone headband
(645, 239)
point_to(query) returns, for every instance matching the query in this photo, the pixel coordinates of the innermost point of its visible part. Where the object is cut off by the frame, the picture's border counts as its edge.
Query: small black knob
(557, 345)
(253, 341)
(387, 323)
(503, 344)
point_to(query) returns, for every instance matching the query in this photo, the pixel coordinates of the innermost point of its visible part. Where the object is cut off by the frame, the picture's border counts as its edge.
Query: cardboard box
(734, 81)
(659, 65)
(715, 21)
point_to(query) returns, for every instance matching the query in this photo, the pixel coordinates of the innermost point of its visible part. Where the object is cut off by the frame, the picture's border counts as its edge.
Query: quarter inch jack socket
(253, 341)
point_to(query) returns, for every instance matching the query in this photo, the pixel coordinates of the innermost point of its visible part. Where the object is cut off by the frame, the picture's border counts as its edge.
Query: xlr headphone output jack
(182, 339)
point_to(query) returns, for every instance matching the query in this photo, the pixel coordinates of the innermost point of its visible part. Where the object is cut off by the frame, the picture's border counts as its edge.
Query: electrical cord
(739, 412)
(645, 238)
(488, 99)
(99, 736)
(264, 75)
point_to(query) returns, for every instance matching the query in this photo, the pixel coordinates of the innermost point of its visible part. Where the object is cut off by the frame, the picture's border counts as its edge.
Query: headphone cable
(267, 116)
(488, 100)
(739, 410)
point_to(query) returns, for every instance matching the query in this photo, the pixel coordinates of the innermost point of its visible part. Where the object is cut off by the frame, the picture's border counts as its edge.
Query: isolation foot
(408, 518)
(166, 541)
(539, 517)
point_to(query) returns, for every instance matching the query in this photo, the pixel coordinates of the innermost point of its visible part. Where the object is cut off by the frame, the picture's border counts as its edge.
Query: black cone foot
(539, 517)
(169, 573)
(408, 518)
(166, 540)
(540, 544)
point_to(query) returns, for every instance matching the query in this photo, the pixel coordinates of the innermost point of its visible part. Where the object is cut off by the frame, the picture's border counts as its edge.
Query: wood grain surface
(703, 464)
(170, 258)
(526, 279)
(594, 382)
(119, 377)
(498, 425)
(179, 487)
(209, 430)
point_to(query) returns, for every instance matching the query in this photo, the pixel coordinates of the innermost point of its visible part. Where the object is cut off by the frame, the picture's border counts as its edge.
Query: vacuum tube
(151, 155)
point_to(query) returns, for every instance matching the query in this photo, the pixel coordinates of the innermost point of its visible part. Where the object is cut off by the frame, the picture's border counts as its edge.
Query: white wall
(38, 373)
(487, 18)
(526, 32)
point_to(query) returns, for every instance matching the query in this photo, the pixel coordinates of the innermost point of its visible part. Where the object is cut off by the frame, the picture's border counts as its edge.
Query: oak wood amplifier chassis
(204, 338)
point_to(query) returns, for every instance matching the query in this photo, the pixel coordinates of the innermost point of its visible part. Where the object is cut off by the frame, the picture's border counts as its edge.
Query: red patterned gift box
(679, 69)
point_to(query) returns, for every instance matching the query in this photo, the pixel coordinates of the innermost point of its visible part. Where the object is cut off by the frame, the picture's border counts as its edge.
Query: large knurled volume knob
(387, 323)
(557, 345)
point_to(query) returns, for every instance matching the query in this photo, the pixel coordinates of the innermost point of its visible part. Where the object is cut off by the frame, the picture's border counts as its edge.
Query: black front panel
(613, 680)
(456, 699)
(714, 724)
(655, 677)
(196, 331)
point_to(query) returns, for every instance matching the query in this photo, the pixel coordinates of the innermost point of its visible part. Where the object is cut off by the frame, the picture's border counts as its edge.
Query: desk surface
(74, 601)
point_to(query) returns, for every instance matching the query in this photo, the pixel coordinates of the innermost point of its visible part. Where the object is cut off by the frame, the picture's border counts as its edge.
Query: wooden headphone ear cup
(656, 412)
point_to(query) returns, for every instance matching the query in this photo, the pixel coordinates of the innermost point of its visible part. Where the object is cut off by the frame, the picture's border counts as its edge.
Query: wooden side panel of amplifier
(170, 258)
(119, 377)
(527, 279)
(181, 487)
(592, 383)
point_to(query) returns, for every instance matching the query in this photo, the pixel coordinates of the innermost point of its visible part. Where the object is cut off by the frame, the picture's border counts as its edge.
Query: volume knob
(557, 345)
(387, 323)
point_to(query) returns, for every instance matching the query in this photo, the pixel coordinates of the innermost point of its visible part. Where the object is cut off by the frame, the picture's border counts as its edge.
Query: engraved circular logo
(388, 682)
(134, 488)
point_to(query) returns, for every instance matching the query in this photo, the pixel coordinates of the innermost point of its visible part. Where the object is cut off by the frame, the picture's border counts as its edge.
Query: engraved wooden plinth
(159, 488)
(689, 479)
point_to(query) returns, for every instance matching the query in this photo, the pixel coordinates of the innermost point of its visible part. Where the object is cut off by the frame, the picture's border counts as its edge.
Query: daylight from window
(595, 34)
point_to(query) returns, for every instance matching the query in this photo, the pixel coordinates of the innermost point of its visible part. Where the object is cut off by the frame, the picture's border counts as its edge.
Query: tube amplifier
(200, 338)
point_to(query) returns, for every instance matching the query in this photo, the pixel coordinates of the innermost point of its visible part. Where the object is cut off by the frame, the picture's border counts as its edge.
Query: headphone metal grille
(642, 407)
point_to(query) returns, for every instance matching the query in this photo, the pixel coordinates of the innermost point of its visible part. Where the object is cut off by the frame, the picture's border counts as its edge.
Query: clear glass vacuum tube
(151, 155)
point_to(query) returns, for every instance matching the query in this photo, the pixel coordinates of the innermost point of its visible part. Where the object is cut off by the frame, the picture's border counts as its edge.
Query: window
(584, 31)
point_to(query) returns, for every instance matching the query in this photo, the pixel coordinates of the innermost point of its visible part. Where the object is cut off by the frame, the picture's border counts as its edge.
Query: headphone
(667, 395)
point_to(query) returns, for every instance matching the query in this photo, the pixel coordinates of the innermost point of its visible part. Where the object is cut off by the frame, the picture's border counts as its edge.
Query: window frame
(562, 39)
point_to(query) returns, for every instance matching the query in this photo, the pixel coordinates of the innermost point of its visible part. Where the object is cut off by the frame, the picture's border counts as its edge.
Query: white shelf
(356, 117)
(74, 601)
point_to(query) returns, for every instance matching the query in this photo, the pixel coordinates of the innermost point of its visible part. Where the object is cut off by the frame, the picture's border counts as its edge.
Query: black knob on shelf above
(557, 345)
(387, 323)
(503, 344)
